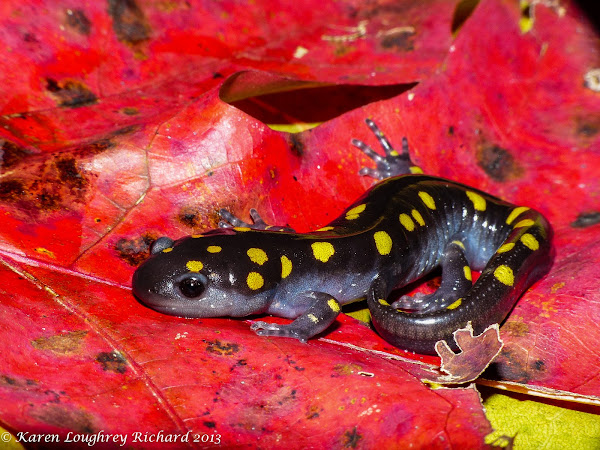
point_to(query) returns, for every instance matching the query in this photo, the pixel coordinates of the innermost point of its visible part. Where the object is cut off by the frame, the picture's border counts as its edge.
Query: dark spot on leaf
(587, 129)
(52, 85)
(47, 184)
(129, 22)
(462, 12)
(587, 126)
(64, 416)
(30, 37)
(540, 365)
(124, 131)
(217, 75)
(130, 111)
(48, 201)
(7, 380)
(352, 438)
(498, 163)
(296, 145)
(64, 344)
(70, 93)
(11, 190)
(97, 147)
(68, 172)
(135, 251)
(221, 348)
(54, 396)
(209, 424)
(112, 362)
(313, 412)
(78, 21)
(402, 39)
(508, 366)
(584, 220)
(190, 217)
(451, 130)
(11, 154)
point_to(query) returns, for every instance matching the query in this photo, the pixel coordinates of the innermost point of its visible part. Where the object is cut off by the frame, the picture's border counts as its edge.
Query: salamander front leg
(390, 165)
(230, 221)
(317, 318)
(456, 282)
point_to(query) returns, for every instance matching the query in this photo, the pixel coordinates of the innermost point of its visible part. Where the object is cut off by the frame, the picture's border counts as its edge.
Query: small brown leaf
(477, 352)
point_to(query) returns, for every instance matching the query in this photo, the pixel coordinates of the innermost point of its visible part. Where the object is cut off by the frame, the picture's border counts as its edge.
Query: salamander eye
(192, 286)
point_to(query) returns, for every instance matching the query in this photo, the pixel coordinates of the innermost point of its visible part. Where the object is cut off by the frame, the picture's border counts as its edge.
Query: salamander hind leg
(393, 163)
(456, 282)
(317, 318)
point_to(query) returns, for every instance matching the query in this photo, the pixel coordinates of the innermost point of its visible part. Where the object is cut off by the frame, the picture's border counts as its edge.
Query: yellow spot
(524, 223)
(393, 153)
(459, 243)
(255, 281)
(213, 249)
(167, 250)
(286, 266)
(467, 271)
(427, 199)
(313, 318)
(355, 212)
(322, 251)
(456, 304)
(325, 229)
(407, 222)
(383, 242)
(257, 256)
(530, 242)
(525, 24)
(418, 217)
(242, 228)
(478, 200)
(415, 169)
(46, 252)
(506, 247)
(196, 236)
(504, 275)
(335, 306)
(194, 266)
(514, 213)
(383, 302)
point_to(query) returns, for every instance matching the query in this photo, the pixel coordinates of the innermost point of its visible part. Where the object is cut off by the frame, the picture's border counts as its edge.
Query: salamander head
(203, 276)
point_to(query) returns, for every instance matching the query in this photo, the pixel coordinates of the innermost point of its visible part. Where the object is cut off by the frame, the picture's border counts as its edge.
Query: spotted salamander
(398, 231)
